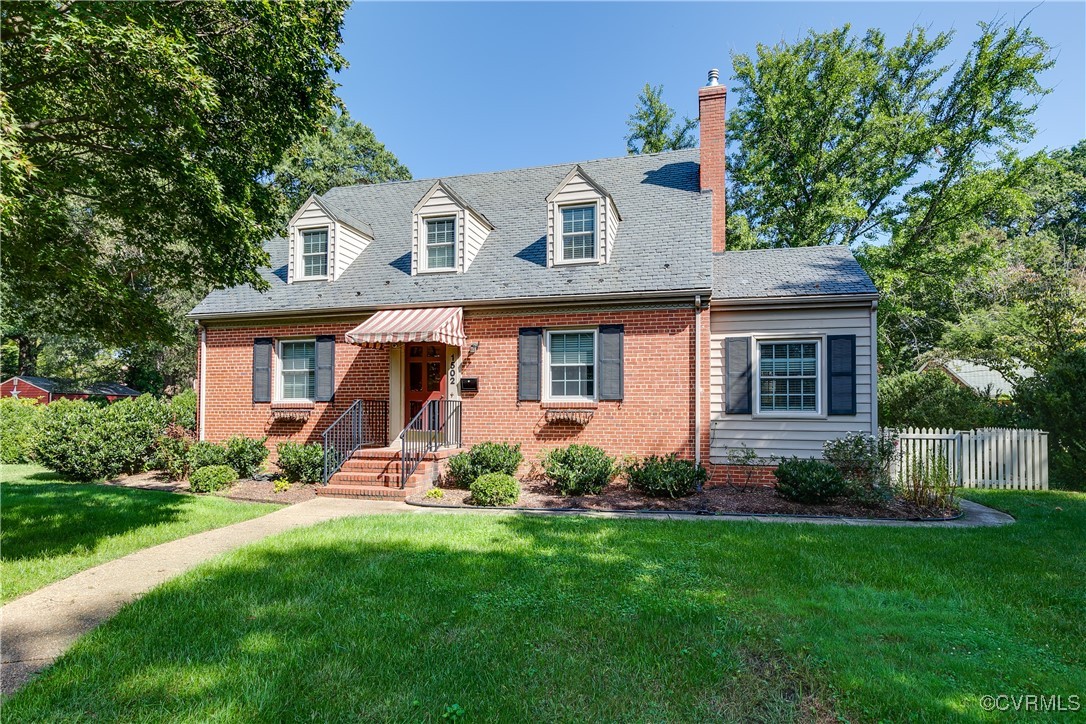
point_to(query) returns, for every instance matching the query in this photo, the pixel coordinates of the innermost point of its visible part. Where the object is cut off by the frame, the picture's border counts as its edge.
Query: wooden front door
(425, 376)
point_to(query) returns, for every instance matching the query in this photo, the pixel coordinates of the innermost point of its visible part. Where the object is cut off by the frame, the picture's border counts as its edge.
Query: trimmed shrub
(172, 452)
(246, 455)
(301, 463)
(864, 462)
(70, 441)
(666, 476)
(483, 458)
(18, 425)
(211, 478)
(807, 480)
(932, 399)
(579, 469)
(182, 410)
(204, 454)
(495, 489)
(130, 428)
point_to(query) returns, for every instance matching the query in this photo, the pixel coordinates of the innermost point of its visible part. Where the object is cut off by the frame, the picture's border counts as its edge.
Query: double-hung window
(788, 376)
(441, 244)
(571, 364)
(297, 369)
(578, 233)
(315, 253)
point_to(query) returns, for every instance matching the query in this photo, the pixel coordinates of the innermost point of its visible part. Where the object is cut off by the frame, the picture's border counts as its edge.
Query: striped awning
(435, 324)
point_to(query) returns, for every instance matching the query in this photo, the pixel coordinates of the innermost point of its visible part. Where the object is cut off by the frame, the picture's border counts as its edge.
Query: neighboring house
(590, 303)
(47, 389)
(980, 378)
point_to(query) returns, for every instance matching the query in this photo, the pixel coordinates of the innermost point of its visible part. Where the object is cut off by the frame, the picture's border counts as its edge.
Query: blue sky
(456, 88)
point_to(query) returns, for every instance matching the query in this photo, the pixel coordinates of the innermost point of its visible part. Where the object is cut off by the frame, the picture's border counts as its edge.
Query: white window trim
(559, 237)
(279, 369)
(299, 253)
(547, 396)
(820, 376)
(424, 257)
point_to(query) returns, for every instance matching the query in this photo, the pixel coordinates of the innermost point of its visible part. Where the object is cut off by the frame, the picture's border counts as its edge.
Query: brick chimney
(711, 113)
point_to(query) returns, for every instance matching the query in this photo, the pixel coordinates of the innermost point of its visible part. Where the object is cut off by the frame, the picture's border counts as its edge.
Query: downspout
(874, 368)
(697, 379)
(203, 377)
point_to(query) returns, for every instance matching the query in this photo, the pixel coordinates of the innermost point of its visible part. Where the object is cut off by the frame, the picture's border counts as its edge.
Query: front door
(425, 376)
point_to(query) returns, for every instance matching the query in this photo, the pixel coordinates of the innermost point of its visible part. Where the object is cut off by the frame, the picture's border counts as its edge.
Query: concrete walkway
(39, 627)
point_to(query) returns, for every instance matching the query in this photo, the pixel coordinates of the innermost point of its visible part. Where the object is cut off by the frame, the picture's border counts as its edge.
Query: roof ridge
(569, 164)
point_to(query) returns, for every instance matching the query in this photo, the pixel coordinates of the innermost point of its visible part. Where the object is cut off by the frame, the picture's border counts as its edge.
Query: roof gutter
(760, 302)
(564, 300)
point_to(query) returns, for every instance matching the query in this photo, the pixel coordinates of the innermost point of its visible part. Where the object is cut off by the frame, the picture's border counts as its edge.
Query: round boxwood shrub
(69, 441)
(483, 458)
(301, 463)
(495, 489)
(668, 476)
(246, 455)
(204, 454)
(211, 478)
(579, 469)
(806, 480)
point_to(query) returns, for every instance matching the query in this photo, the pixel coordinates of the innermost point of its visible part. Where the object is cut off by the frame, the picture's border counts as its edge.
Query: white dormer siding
(472, 229)
(345, 241)
(576, 191)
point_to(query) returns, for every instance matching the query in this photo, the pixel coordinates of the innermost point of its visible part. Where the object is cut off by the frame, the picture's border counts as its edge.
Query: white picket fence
(983, 458)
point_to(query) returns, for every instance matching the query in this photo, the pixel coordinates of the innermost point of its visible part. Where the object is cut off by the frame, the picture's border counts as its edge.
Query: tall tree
(142, 136)
(652, 126)
(341, 153)
(844, 139)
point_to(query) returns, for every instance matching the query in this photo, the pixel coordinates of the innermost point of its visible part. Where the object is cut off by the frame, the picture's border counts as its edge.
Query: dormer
(582, 221)
(324, 240)
(446, 233)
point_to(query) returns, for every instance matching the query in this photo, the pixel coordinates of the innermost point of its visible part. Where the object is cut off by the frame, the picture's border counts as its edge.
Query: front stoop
(374, 473)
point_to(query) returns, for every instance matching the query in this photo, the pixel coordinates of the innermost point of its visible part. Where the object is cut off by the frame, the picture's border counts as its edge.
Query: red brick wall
(720, 475)
(656, 416)
(711, 110)
(361, 373)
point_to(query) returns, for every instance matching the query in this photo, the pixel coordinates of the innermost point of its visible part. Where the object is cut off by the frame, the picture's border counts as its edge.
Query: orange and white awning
(392, 326)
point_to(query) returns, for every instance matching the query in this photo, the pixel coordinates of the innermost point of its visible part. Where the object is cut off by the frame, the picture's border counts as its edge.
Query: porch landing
(374, 474)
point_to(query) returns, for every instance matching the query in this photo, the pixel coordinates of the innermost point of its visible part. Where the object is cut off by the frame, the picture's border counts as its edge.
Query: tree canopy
(652, 125)
(137, 139)
(342, 152)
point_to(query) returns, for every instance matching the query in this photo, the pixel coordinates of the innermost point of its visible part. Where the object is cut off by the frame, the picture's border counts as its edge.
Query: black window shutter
(841, 373)
(610, 363)
(326, 367)
(737, 393)
(262, 355)
(529, 363)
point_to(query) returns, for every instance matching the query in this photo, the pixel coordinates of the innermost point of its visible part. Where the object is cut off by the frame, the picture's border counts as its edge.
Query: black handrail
(436, 425)
(364, 423)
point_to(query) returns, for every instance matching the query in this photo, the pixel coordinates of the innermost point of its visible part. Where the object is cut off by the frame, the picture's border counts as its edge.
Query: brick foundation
(721, 475)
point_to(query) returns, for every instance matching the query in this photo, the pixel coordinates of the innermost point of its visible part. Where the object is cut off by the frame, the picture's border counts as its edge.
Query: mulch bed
(539, 493)
(257, 490)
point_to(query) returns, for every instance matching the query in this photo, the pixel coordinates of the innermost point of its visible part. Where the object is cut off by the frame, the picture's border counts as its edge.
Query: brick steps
(374, 473)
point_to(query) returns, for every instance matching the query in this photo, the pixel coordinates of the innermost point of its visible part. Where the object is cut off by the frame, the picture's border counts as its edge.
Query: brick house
(591, 302)
(47, 389)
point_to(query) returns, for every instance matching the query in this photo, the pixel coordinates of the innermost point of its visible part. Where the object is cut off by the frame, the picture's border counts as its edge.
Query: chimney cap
(714, 77)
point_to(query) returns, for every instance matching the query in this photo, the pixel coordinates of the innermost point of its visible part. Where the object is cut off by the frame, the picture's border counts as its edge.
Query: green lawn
(50, 529)
(516, 618)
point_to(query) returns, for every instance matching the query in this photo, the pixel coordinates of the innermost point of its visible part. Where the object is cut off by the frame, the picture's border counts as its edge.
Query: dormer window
(579, 233)
(315, 253)
(446, 233)
(441, 244)
(582, 221)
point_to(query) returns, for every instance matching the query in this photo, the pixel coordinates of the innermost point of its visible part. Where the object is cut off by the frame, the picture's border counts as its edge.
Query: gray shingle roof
(799, 272)
(663, 242)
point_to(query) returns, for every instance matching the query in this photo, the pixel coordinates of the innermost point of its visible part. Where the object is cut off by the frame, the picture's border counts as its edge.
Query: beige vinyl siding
(313, 216)
(577, 191)
(801, 435)
(475, 233)
(349, 244)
